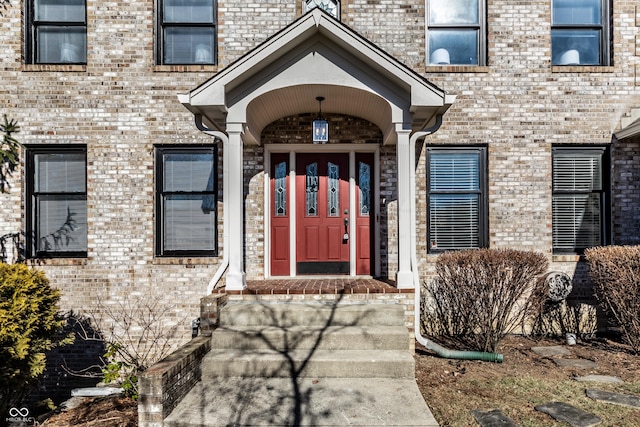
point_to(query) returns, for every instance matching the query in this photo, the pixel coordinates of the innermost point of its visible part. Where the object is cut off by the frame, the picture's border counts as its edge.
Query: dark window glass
(57, 202)
(456, 196)
(456, 32)
(187, 30)
(579, 198)
(56, 32)
(580, 32)
(186, 201)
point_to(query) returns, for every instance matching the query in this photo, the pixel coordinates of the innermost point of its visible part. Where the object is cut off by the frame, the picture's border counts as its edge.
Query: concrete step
(312, 337)
(303, 402)
(310, 314)
(308, 363)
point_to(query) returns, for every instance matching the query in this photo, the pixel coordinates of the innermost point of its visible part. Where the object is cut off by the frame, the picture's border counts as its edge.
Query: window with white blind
(187, 32)
(57, 201)
(456, 185)
(186, 201)
(580, 32)
(56, 31)
(580, 198)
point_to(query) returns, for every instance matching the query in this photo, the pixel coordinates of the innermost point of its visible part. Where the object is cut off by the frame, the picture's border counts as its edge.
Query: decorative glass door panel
(280, 194)
(365, 211)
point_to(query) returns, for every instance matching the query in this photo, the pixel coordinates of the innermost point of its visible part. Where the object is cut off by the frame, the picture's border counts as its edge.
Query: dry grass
(454, 388)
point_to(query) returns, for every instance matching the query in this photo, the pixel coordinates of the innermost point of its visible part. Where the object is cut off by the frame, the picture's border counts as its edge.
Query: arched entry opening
(322, 200)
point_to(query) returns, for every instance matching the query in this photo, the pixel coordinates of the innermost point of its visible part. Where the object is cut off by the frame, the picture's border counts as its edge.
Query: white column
(404, 277)
(234, 201)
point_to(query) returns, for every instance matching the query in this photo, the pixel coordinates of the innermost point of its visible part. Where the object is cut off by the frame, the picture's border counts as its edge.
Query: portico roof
(316, 55)
(630, 131)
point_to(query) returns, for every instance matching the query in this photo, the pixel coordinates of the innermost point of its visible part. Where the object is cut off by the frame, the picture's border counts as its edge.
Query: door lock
(346, 226)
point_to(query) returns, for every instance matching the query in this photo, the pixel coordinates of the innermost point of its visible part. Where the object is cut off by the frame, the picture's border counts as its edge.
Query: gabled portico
(315, 56)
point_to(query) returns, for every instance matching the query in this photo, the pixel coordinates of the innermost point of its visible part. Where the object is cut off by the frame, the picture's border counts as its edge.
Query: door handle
(346, 226)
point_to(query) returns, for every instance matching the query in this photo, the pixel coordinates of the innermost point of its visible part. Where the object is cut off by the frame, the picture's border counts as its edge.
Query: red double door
(324, 229)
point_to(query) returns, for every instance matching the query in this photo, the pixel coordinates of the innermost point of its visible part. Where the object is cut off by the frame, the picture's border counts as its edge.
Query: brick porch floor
(318, 285)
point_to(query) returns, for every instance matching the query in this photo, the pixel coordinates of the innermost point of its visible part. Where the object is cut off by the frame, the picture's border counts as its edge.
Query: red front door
(322, 213)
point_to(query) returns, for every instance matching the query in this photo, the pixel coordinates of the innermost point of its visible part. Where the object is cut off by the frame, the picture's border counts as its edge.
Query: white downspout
(219, 135)
(414, 257)
(438, 349)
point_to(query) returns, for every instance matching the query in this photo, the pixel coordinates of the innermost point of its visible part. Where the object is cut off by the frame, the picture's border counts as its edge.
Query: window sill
(186, 261)
(36, 262)
(581, 69)
(456, 69)
(566, 258)
(54, 67)
(184, 68)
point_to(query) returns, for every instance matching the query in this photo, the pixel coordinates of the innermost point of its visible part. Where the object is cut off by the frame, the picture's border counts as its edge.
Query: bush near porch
(615, 273)
(479, 296)
(30, 325)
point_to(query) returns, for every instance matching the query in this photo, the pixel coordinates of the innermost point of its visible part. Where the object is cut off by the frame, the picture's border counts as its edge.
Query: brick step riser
(315, 315)
(357, 368)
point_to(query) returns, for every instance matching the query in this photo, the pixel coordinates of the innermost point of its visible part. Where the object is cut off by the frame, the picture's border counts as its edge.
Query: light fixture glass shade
(203, 54)
(440, 56)
(320, 130)
(570, 57)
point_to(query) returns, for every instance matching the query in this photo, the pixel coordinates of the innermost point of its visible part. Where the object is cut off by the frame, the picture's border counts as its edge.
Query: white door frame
(293, 150)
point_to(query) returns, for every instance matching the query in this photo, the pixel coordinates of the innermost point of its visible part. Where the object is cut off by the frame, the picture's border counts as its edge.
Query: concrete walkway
(306, 402)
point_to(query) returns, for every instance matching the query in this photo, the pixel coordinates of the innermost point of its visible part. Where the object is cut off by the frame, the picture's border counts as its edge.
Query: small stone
(575, 363)
(599, 379)
(72, 403)
(494, 418)
(561, 411)
(551, 351)
(95, 391)
(629, 400)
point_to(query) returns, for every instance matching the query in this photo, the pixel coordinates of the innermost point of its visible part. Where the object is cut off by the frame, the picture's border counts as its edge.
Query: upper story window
(56, 201)
(580, 198)
(56, 32)
(186, 213)
(580, 32)
(456, 197)
(456, 32)
(187, 32)
(332, 7)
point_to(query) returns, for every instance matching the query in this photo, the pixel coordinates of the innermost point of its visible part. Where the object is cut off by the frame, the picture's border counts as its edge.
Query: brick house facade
(511, 111)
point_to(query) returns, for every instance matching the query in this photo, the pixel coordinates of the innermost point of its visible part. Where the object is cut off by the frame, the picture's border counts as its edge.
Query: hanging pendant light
(320, 125)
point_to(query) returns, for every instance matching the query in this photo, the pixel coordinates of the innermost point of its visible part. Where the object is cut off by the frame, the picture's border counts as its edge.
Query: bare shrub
(615, 272)
(558, 319)
(479, 296)
(136, 335)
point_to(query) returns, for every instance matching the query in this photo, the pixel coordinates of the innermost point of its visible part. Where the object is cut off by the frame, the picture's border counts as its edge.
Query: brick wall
(625, 160)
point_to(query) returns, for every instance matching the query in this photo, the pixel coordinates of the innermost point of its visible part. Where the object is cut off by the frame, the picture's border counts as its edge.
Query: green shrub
(479, 296)
(29, 326)
(615, 273)
(9, 150)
